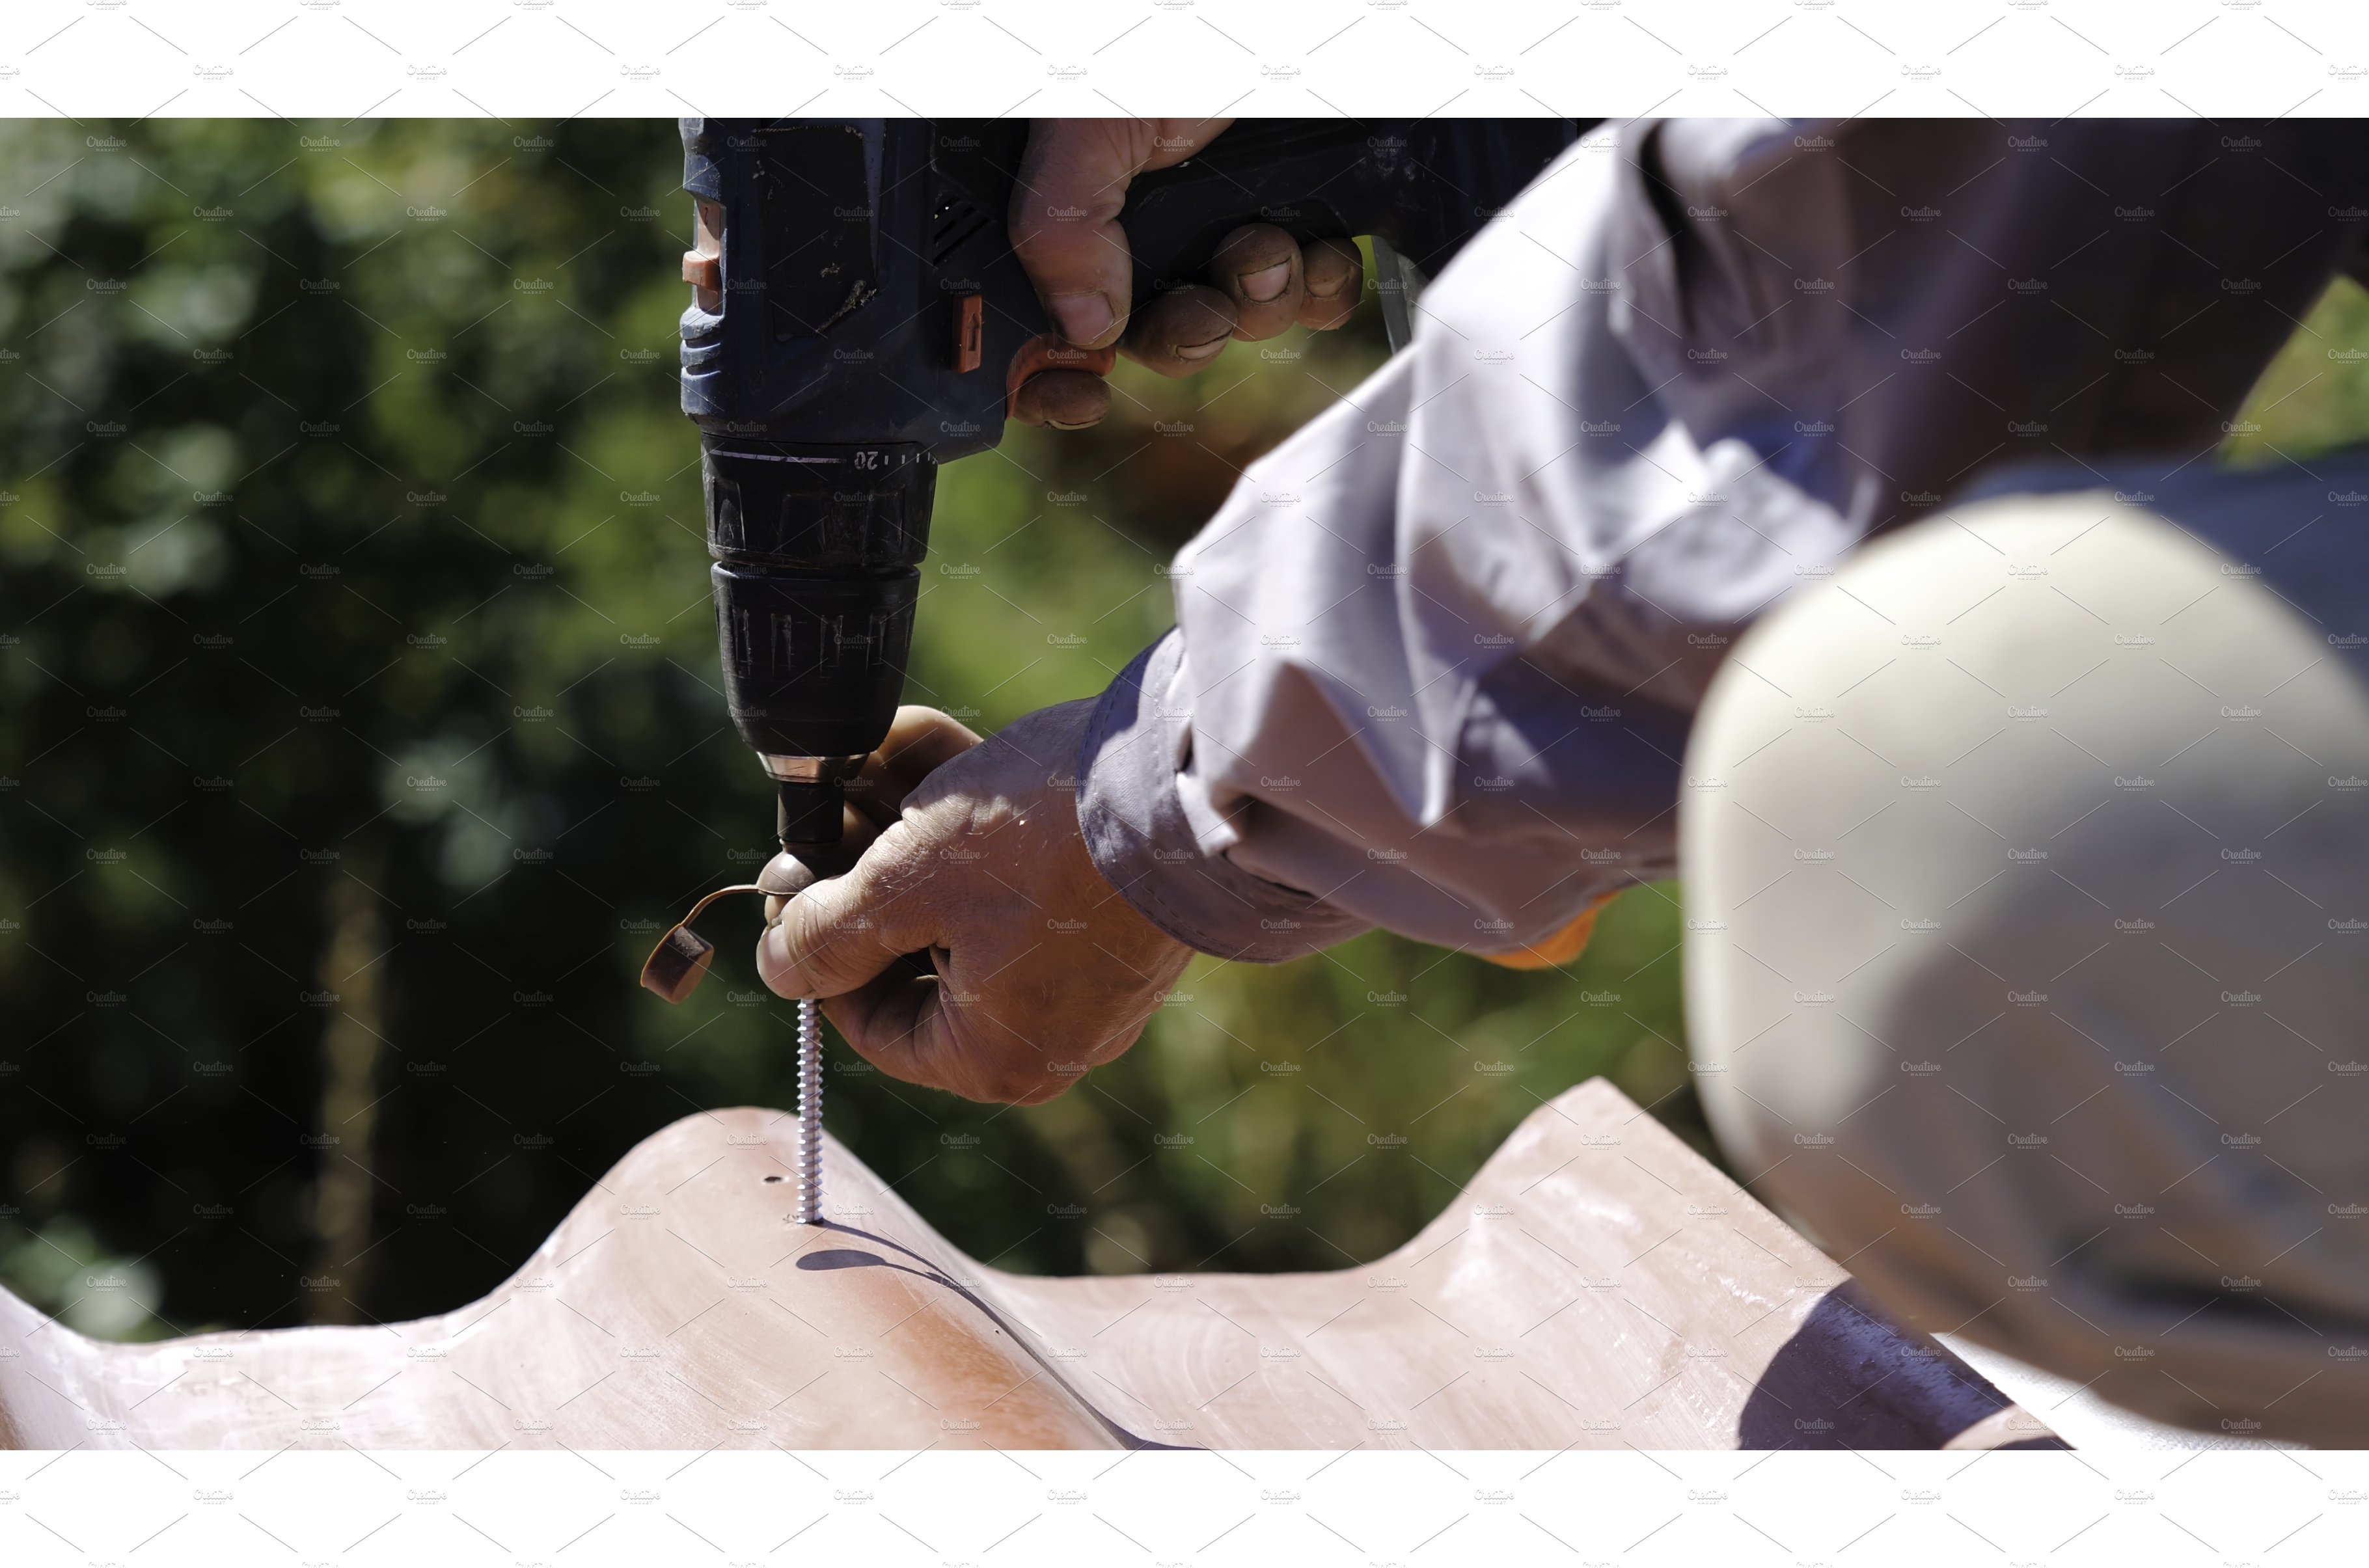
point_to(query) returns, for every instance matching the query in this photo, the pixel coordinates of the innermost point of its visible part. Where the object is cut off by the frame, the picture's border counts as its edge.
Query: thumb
(837, 934)
(1065, 207)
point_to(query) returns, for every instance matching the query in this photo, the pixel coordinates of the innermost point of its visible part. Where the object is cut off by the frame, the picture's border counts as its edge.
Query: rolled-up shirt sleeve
(1436, 654)
(1139, 834)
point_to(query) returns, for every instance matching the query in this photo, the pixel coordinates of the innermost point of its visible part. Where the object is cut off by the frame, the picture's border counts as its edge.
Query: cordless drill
(858, 318)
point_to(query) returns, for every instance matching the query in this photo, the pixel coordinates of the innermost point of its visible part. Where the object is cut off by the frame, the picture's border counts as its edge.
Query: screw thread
(809, 1114)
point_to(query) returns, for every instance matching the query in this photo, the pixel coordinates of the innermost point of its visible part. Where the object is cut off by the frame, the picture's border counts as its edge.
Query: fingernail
(1266, 283)
(1083, 318)
(1197, 351)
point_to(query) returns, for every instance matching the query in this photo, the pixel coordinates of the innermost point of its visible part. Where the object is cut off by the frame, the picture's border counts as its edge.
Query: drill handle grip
(1423, 186)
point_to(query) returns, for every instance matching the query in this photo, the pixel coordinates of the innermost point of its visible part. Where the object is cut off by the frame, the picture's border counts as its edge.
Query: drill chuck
(814, 660)
(816, 568)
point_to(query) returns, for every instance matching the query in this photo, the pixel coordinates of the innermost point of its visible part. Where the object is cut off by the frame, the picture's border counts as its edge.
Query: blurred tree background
(360, 729)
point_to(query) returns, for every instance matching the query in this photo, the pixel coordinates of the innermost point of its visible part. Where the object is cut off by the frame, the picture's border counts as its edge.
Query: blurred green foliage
(2314, 397)
(350, 534)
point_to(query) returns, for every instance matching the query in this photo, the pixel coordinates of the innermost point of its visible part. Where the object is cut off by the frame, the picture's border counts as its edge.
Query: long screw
(809, 1113)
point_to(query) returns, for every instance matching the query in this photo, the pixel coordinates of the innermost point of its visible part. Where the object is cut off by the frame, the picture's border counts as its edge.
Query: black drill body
(855, 329)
